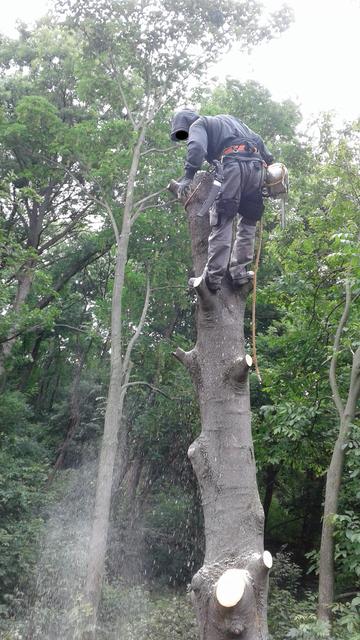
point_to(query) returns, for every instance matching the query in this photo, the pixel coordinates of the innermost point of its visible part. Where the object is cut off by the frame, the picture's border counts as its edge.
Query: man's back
(210, 135)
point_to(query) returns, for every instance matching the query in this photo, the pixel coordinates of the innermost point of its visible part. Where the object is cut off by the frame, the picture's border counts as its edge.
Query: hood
(182, 121)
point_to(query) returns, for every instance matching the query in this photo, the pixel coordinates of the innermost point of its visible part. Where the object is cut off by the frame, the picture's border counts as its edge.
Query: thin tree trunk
(26, 274)
(270, 479)
(334, 474)
(74, 418)
(25, 279)
(223, 459)
(119, 376)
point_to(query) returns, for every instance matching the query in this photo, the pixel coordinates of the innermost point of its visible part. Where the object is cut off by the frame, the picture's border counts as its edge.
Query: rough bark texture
(222, 456)
(332, 492)
(334, 474)
(74, 418)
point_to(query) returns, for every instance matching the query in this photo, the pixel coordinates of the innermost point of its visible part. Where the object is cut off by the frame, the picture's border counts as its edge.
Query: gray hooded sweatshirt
(208, 136)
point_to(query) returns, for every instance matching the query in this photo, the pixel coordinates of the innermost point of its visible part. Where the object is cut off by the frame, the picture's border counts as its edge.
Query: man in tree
(244, 157)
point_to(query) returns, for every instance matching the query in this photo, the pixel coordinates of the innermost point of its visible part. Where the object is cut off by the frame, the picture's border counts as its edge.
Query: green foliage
(309, 628)
(347, 536)
(348, 619)
(23, 463)
(171, 525)
(301, 299)
(138, 614)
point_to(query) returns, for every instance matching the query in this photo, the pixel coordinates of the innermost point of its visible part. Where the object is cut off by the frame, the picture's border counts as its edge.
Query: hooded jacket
(210, 135)
(182, 121)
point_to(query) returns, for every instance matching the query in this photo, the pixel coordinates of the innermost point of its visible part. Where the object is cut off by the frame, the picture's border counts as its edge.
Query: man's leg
(251, 209)
(220, 239)
(219, 248)
(243, 251)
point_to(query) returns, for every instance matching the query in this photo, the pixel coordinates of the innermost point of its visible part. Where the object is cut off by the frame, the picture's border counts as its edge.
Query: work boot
(212, 286)
(243, 252)
(248, 276)
(195, 282)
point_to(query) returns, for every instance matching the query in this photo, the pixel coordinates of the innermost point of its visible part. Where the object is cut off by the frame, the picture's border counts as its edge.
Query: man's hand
(184, 187)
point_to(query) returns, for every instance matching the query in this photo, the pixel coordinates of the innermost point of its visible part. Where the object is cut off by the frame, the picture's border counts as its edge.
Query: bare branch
(102, 203)
(170, 286)
(152, 195)
(138, 213)
(113, 222)
(63, 233)
(122, 93)
(69, 326)
(138, 328)
(354, 387)
(165, 150)
(332, 372)
(151, 386)
(21, 332)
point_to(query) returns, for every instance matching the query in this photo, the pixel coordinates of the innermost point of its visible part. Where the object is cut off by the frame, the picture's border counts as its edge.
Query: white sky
(315, 62)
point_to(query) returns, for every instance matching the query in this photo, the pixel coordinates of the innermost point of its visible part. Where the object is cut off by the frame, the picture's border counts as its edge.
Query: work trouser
(241, 193)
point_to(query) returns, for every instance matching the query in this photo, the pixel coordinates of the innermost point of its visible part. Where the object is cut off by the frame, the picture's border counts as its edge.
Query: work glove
(184, 187)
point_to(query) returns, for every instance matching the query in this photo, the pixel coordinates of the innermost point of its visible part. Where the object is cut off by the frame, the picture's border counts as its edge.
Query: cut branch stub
(267, 559)
(190, 361)
(238, 371)
(231, 586)
(207, 298)
(229, 601)
(183, 356)
(173, 187)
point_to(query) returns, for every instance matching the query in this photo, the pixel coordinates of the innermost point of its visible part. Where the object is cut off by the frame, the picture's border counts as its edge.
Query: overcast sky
(315, 63)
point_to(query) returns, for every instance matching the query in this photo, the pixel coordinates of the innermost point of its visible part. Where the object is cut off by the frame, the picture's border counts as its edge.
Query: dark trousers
(241, 193)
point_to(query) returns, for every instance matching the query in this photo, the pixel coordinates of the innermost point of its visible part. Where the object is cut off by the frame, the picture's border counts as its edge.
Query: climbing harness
(214, 189)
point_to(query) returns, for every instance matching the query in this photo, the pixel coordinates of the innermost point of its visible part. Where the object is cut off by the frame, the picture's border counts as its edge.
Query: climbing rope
(258, 253)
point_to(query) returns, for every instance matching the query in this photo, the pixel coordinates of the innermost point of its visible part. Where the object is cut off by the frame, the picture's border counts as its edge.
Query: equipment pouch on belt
(214, 189)
(214, 216)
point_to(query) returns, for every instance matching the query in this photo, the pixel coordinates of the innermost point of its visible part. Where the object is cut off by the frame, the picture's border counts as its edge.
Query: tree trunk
(113, 416)
(75, 416)
(230, 591)
(119, 377)
(24, 279)
(332, 491)
(271, 473)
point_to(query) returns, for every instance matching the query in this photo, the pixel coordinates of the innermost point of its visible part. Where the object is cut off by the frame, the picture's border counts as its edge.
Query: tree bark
(223, 457)
(334, 474)
(24, 279)
(271, 473)
(74, 417)
(120, 367)
(332, 491)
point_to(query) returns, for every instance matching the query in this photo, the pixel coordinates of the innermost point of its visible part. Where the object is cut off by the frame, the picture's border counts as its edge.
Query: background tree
(316, 259)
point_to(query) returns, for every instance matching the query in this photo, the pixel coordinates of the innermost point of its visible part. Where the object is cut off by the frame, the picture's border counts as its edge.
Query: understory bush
(292, 611)
(138, 614)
